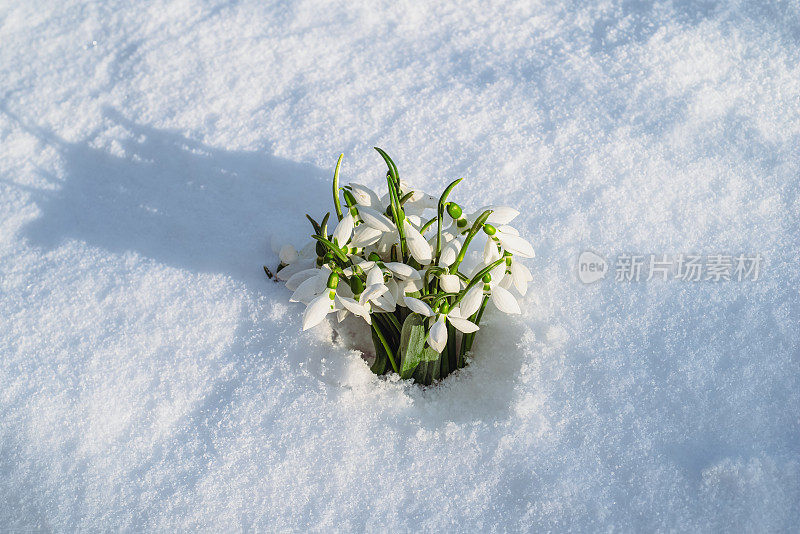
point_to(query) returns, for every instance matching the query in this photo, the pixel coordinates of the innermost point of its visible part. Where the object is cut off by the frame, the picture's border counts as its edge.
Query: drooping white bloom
(500, 214)
(343, 230)
(356, 308)
(450, 249)
(296, 279)
(365, 235)
(318, 308)
(461, 323)
(403, 271)
(288, 254)
(511, 241)
(520, 276)
(312, 286)
(490, 252)
(450, 283)
(376, 220)
(437, 335)
(504, 300)
(417, 245)
(365, 196)
(472, 300)
(418, 306)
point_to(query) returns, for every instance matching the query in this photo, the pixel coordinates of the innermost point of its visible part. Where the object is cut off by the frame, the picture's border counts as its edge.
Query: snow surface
(152, 379)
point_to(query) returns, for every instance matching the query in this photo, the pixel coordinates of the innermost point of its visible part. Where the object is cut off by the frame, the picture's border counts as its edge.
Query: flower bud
(356, 285)
(487, 278)
(489, 229)
(333, 281)
(454, 210)
(461, 223)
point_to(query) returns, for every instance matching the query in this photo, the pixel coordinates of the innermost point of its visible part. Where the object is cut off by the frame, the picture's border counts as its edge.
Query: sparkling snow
(151, 378)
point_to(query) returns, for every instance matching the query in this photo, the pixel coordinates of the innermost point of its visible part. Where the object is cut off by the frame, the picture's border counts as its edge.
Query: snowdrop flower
(299, 277)
(418, 246)
(500, 296)
(500, 214)
(517, 274)
(510, 240)
(322, 305)
(365, 196)
(311, 286)
(450, 283)
(437, 336)
(344, 230)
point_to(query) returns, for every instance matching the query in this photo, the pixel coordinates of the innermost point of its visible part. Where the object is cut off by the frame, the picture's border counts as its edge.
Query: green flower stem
(466, 341)
(394, 321)
(476, 279)
(336, 202)
(452, 354)
(398, 218)
(386, 346)
(474, 230)
(439, 215)
(427, 225)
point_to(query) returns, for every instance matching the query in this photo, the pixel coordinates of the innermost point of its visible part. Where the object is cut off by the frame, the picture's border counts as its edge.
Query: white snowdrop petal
(516, 245)
(290, 270)
(490, 252)
(519, 278)
(403, 271)
(373, 292)
(450, 252)
(364, 236)
(317, 310)
(412, 286)
(462, 324)
(437, 336)
(525, 272)
(417, 306)
(506, 229)
(450, 283)
(374, 219)
(306, 291)
(501, 215)
(374, 276)
(356, 309)
(504, 300)
(343, 231)
(418, 246)
(364, 195)
(472, 300)
(288, 254)
(298, 278)
(385, 302)
(394, 290)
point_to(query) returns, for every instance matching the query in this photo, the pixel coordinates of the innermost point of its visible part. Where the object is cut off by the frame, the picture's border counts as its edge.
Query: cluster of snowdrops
(398, 262)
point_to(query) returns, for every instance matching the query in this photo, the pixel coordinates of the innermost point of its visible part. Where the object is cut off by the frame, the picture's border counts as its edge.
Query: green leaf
(417, 358)
(314, 223)
(381, 364)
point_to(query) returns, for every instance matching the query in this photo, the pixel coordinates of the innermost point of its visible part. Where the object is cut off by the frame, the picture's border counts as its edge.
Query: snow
(152, 379)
